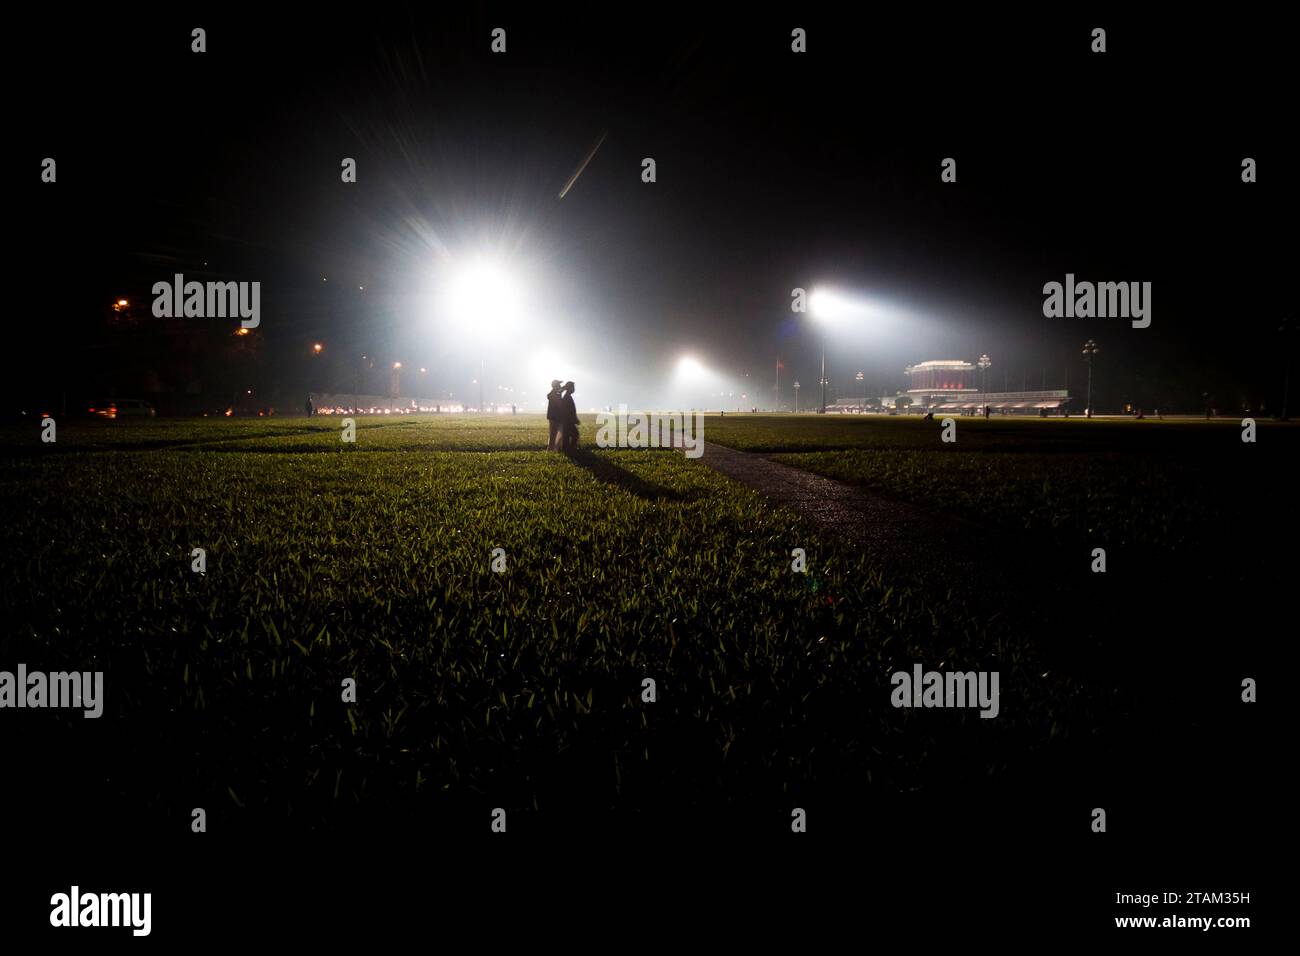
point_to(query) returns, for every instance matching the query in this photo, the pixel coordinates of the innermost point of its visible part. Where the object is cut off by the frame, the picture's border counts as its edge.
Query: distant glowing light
(318, 348)
(241, 331)
(690, 366)
(397, 365)
(121, 303)
(693, 382)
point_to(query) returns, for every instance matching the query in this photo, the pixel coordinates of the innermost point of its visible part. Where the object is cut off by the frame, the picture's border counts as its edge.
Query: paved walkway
(889, 529)
(955, 553)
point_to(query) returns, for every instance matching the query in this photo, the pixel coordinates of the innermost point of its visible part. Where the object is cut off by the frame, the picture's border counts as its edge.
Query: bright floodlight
(482, 297)
(831, 306)
(689, 367)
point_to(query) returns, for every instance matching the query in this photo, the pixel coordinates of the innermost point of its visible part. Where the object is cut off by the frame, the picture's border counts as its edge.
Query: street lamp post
(832, 310)
(1288, 331)
(314, 377)
(361, 371)
(796, 396)
(1090, 349)
(823, 374)
(984, 363)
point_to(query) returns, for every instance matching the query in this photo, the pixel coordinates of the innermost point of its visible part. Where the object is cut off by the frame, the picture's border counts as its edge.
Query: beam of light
(832, 307)
(581, 166)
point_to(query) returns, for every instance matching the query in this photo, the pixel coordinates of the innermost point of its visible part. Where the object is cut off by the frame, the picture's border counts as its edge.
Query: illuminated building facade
(952, 386)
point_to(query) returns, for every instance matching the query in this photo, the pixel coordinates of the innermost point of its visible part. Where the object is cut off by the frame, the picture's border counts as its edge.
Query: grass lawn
(520, 689)
(1158, 488)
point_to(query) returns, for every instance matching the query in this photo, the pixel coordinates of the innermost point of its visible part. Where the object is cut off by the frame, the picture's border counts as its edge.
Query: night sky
(775, 170)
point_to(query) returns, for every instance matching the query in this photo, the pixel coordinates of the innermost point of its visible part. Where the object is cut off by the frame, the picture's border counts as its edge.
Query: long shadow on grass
(611, 474)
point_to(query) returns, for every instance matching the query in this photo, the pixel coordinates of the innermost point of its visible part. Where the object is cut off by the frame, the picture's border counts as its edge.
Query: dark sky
(775, 170)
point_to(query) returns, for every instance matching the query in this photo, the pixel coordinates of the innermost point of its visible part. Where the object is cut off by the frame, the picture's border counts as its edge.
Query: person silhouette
(554, 417)
(570, 418)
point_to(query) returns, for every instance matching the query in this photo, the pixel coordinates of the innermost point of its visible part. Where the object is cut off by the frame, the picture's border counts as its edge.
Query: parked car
(122, 408)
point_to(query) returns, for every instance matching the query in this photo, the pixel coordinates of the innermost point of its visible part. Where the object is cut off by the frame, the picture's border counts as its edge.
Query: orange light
(122, 303)
(317, 348)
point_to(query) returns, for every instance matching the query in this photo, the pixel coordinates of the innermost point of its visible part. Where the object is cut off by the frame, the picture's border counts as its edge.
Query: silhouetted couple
(561, 417)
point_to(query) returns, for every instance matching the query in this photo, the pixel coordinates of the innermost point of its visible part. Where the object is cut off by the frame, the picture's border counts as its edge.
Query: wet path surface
(993, 569)
(889, 530)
